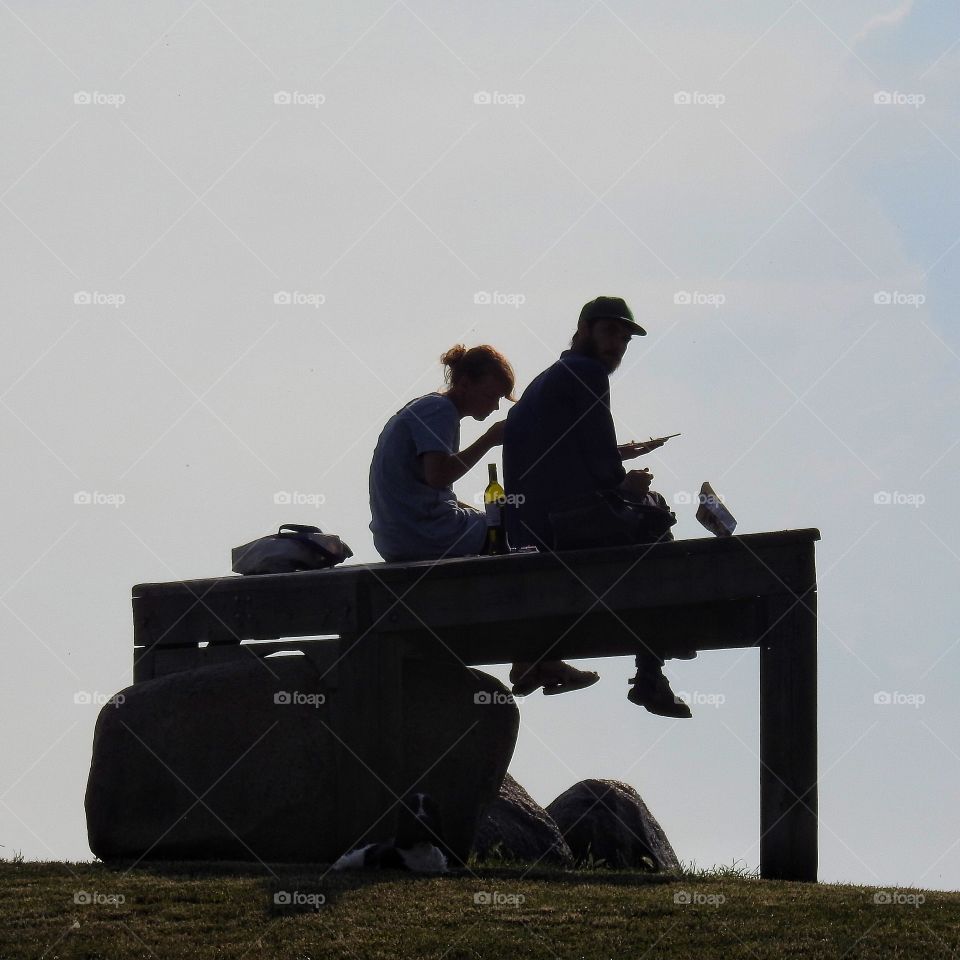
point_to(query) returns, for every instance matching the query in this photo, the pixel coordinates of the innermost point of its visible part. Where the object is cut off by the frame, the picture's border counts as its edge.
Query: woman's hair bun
(475, 363)
(453, 355)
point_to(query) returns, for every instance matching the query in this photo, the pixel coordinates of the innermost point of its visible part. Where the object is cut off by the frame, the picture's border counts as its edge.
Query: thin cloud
(882, 20)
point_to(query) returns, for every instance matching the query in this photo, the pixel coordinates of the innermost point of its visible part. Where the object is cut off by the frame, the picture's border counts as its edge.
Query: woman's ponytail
(452, 357)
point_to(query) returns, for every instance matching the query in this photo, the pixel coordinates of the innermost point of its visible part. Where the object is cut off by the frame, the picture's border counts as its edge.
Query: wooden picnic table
(753, 590)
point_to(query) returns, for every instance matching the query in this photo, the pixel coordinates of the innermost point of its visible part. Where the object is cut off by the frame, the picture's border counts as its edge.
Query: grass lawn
(227, 910)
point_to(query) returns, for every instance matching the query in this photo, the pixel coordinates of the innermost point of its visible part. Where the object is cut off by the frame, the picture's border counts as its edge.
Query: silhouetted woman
(416, 515)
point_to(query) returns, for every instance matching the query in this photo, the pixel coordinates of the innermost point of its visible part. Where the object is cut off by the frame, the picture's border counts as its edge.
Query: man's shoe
(654, 693)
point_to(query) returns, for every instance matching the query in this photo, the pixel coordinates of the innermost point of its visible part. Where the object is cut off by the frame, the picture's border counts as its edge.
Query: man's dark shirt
(559, 444)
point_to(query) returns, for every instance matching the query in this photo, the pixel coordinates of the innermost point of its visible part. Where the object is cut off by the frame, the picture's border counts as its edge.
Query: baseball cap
(611, 308)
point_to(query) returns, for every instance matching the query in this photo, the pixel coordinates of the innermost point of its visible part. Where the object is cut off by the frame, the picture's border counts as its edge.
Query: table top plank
(518, 594)
(468, 566)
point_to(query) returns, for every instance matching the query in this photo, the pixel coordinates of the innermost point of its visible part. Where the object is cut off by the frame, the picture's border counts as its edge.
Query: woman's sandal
(525, 686)
(586, 679)
(528, 681)
(534, 678)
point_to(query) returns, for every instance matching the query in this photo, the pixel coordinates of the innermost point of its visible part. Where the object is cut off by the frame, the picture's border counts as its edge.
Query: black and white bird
(416, 846)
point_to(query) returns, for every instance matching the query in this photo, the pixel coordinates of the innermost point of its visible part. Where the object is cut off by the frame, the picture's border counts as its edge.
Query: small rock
(608, 820)
(516, 827)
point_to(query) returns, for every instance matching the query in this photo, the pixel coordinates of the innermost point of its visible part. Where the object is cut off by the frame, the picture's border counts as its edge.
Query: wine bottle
(494, 504)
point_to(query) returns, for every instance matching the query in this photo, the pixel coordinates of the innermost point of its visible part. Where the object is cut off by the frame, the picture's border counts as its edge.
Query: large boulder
(278, 760)
(516, 827)
(460, 728)
(609, 821)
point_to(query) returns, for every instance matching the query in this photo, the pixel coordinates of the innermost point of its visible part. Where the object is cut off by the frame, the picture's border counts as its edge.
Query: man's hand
(637, 483)
(628, 451)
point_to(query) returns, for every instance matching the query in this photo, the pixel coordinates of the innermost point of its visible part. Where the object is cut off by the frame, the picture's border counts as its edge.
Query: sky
(237, 239)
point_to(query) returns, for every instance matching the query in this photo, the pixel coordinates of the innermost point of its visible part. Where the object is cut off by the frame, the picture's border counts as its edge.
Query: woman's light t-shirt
(411, 519)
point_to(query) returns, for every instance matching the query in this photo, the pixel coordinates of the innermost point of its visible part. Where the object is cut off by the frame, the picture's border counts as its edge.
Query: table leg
(788, 741)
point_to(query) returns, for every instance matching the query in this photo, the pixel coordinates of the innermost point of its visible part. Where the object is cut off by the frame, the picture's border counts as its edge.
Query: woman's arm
(441, 469)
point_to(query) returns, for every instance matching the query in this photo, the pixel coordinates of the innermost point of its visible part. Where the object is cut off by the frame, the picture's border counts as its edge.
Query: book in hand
(641, 447)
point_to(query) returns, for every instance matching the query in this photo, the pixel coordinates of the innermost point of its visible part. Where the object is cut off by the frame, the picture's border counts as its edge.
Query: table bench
(708, 594)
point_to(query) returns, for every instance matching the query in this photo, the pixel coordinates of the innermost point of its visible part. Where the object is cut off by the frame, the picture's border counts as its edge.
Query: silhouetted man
(560, 448)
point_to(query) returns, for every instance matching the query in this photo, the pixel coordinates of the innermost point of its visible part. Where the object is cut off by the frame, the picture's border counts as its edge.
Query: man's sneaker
(652, 691)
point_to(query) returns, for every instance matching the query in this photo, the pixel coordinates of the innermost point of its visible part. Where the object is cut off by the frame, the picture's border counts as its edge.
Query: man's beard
(588, 347)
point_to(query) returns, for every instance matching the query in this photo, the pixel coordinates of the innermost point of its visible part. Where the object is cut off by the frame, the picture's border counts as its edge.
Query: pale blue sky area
(149, 170)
